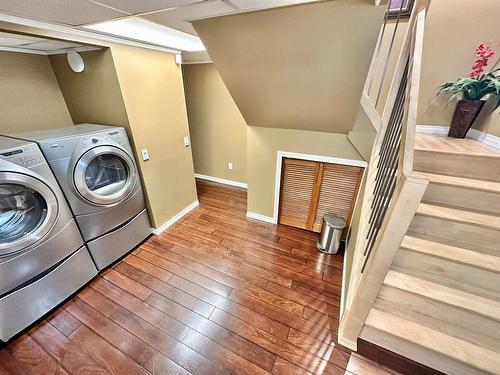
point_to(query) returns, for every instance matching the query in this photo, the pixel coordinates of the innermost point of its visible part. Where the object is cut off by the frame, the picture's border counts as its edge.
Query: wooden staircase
(439, 303)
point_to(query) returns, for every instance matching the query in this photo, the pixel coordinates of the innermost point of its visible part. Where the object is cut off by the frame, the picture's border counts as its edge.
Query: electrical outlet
(186, 141)
(229, 165)
(145, 154)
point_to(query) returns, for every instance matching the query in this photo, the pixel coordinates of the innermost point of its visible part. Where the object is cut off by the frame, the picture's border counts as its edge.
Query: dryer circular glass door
(105, 175)
(28, 210)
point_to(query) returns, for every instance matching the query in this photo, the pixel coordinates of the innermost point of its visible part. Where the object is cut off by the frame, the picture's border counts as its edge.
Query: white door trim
(294, 155)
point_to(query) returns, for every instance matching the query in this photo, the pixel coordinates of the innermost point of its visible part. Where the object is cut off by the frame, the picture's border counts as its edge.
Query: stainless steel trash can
(331, 233)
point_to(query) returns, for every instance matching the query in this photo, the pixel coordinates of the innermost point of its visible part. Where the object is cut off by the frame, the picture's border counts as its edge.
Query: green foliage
(473, 88)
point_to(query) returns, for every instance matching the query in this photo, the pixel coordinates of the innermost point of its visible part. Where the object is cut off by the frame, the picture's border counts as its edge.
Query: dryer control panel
(27, 156)
(119, 136)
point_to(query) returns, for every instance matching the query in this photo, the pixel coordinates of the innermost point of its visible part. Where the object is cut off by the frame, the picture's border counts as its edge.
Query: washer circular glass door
(28, 210)
(104, 175)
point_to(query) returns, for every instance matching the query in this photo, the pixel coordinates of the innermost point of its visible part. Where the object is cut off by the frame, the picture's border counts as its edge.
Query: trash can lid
(334, 221)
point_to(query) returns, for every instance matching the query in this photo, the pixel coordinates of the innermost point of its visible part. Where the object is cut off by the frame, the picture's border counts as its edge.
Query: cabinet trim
(294, 155)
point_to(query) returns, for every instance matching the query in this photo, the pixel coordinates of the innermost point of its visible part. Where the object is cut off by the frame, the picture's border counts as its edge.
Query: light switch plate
(229, 165)
(145, 154)
(186, 141)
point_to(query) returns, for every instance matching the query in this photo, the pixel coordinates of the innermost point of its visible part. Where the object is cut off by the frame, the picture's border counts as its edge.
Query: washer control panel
(26, 156)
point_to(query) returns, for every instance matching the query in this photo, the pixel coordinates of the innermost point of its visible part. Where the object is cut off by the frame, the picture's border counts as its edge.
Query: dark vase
(465, 114)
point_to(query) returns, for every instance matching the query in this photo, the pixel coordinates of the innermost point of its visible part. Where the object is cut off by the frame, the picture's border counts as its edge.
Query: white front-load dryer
(43, 259)
(96, 169)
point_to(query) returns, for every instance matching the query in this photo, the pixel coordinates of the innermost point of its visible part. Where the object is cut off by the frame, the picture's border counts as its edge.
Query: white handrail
(393, 191)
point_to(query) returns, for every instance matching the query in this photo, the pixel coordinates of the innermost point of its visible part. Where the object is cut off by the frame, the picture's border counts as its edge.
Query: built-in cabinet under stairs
(440, 301)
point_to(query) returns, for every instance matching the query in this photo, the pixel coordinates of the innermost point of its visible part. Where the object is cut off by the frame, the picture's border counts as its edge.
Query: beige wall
(218, 131)
(153, 93)
(141, 90)
(29, 95)
(297, 67)
(93, 95)
(153, 97)
(453, 30)
(263, 145)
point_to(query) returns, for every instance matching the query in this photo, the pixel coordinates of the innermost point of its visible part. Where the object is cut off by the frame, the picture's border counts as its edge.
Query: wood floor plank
(273, 312)
(168, 290)
(9, 365)
(215, 332)
(176, 351)
(235, 309)
(288, 351)
(191, 261)
(64, 322)
(32, 357)
(104, 353)
(164, 322)
(132, 286)
(165, 344)
(64, 351)
(303, 299)
(284, 367)
(326, 296)
(205, 346)
(261, 252)
(235, 267)
(256, 292)
(149, 268)
(137, 349)
(186, 273)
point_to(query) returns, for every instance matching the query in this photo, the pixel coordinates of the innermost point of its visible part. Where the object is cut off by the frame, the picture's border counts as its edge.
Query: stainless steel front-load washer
(43, 259)
(95, 167)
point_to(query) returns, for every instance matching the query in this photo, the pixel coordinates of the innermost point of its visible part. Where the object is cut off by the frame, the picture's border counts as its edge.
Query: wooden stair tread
(480, 305)
(440, 342)
(457, 254)
(468, 183)
(443, 144)
(457, 215)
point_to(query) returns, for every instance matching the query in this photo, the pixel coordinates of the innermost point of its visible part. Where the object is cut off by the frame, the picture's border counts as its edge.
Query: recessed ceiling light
(146, 31)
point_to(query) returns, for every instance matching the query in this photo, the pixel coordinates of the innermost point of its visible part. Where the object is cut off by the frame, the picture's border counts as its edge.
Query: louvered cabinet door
(298, 181)
(339, 188)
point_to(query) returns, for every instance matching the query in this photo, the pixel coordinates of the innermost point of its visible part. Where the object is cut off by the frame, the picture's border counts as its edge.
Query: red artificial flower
(480, 49)
(484, 52)
(488, 53)
(475, 73)
(478, 64)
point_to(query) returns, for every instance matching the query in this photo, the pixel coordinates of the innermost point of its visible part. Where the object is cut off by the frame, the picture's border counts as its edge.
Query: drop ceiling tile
(51, 45)
(135, 6)
(263, 4)
(69, 12)
(10, 40)
(177, 18)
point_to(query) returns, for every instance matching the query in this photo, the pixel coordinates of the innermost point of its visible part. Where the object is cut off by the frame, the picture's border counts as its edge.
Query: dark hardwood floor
(214, 294)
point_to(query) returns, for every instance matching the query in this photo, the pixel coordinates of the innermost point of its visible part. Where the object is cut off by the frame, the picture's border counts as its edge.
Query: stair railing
(393, 191)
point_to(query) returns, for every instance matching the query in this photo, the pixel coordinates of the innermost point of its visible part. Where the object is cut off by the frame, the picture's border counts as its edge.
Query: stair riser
(456, 234)
(417, 353)
(468, 166)
(446, 272)
(466, 198)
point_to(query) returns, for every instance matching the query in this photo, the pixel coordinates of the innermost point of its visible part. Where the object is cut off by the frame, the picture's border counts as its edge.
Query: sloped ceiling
(297, 67)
